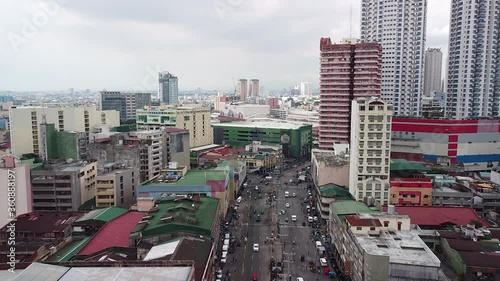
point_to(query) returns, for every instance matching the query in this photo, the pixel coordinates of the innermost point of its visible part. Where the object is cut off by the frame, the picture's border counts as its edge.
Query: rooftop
(103, 215)
(114, 233)
(330, 158)
(197, 250)
(355, 220)
(345, 208)
(172, 215)
(162, 250)
(69, 251)
(334, 191)
(268, 124)
(402, 247)
(405, 165)
(44, 222)
(439, 215)
(63, 166)
(205, 147)
(191, 178)
(49, 272)
(176, 130)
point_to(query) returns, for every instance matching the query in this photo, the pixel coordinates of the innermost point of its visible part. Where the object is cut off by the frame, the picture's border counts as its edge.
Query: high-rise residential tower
(305, 89)
(243, 89)
(399, 26)
(370, 149)
(432, 74)
(254, 90)
(168, 91)
(474, 59)
(348, 70)
(125, 103)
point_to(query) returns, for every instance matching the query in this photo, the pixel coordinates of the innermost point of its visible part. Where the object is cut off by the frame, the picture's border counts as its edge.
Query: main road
(274, 242)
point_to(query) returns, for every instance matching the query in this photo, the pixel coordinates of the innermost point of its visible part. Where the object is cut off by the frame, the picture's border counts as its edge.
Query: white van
(226, 241)
(294, 218)
(318, 244)
(239, 200)
(310, 219)
(225, 248)
(287, 194)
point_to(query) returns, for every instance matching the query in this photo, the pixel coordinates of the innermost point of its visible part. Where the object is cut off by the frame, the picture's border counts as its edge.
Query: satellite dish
(285, 138)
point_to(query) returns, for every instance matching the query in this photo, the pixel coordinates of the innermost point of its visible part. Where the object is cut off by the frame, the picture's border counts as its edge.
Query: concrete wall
(23, 199)
(109, 153)
(376, 267)
(403, 272)
(179, 148)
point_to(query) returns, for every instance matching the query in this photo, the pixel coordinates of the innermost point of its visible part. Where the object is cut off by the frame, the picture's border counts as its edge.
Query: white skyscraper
(432, 75)
(399, 26)
(370, 146)
(305, 89)
(473, 82)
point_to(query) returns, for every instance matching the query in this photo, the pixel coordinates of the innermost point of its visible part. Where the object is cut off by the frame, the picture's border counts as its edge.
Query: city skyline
(244, 40)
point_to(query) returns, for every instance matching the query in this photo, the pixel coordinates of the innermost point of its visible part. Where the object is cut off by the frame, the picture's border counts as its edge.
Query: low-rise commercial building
(194, 118)
(115, 185)
(326, 168)
(296, 138)
(328, 194)
(470, 143)
(179, 216)
(411, 192)
(209, 183)
(378, 246)
(63, 186)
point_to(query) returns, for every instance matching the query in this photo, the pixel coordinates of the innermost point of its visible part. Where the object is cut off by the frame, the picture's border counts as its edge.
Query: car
(294, 218)
(294, 195)
(287, 205)
(323, 262)
(255, 247)
(258, 218)
(310, 219)
(315, 218)
(300, 279)
(286, 220)
(219, 274)
(256, 188)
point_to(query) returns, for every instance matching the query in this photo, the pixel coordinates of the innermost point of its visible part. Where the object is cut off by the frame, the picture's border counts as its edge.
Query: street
(286, 243)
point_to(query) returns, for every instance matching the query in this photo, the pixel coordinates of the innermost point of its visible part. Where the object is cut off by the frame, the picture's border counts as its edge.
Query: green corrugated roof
(104, 215)
(346, 208)
(334, 191)
(405, 165)
(193, 178)
(204, 212)
(69, 251)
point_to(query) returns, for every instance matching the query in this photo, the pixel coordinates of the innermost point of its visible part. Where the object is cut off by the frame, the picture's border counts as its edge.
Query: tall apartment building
(242, 90)
(152, 156)
(63, 186)
(168, 91)
(348, 70)
(254, 88)
(26, 136)
(399, 27)
(15, 179)
(473, 59)
(115, 186)
(195, 118)
(125, 103)
(432, 74)
(305, 89)
(370, 149)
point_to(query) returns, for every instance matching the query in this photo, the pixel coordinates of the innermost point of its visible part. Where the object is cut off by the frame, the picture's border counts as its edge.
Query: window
(386, 223)
(186, 118)
(359, 228)
(372, 228)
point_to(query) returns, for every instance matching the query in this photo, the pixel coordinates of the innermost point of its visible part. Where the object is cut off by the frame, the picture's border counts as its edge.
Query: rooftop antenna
(350, 22)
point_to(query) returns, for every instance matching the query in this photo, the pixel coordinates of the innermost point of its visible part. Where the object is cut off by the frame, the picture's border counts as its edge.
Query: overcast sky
(121, 44)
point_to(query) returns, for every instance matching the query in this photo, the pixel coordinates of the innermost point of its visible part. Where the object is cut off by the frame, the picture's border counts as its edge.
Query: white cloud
(95, 44)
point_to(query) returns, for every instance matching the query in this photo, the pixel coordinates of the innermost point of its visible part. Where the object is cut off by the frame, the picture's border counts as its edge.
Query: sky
(50, 45)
